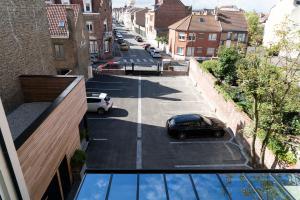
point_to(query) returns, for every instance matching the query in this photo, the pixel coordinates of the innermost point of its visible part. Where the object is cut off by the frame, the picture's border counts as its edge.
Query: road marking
(108, 89)
(97, 118)
(138, 60)
(207, 166)
(139, 127)
(200, 142)
(104, 82)
(124, 60)
(151, 60)
(131, 60)
(100, 139)
(145, 60)
(179, 101)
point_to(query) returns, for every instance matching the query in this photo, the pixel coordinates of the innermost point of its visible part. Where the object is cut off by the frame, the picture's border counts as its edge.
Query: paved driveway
(133, 134)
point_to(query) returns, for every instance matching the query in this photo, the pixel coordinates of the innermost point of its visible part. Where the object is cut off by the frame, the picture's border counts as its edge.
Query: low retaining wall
(123, 72)
(226, 110)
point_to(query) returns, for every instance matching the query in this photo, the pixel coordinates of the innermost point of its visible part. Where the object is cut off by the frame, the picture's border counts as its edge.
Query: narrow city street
(133, 134)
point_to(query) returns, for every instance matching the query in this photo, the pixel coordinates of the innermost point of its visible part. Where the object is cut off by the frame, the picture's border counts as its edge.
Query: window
(297, 2)
(201, 19)
(151, 18)
(192, 36)
(241, 37)
(65, 2)
(93, 100)
(89, 26)
(181, 36)
(229, 35)
(199, 50)
(93, 46)
(235, 36)
(180, 51)
(59, 51)
(190, 51)
(210, 52)
(106, 46)
(212, 36)
(87, 5)
(201, 36)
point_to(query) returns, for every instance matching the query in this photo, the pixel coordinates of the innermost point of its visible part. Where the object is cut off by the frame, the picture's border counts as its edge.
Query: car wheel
(219, 134)
(101, 111)
(182, 136)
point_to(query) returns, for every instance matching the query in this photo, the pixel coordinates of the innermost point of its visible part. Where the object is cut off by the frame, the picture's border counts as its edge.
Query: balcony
(45, 127)
(189, 184)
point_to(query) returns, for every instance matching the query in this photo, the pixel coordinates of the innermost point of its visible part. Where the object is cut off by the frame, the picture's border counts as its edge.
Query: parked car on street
(139, 38)
(150, 49)
(146, 46)
(99, 103)
(109, 65)
(155, 54)
(193, 125)
(120, 40)
(124, 46)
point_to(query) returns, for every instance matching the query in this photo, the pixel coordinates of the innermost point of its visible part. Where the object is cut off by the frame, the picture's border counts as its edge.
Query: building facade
(69, 38)
(129, 17)
(282, 12)
(37, 135)
(97, 15)
(165, 13)
(139, 22)
(200, 35)
(194, 36)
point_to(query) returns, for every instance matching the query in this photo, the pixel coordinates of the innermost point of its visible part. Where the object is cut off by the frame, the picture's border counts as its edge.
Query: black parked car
(182, 126)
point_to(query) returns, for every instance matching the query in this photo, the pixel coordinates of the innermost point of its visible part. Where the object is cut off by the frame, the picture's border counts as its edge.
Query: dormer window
(66, 2)
(61, 24)
(87, 5)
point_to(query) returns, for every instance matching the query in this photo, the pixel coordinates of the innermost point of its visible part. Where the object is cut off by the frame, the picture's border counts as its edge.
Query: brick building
(234, 28)
(194, 36)
(97, 15)
(139, 21)
(165, 13)
(37, 135)
(200, 35)
(25, 47)
(69, 38)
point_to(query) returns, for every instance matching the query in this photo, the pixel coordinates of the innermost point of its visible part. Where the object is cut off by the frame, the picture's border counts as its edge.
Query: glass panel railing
(238, 187)
(123, 186)
(208, 186)
(180, 187)
(94, 186)
(152, 187)
(290, 182)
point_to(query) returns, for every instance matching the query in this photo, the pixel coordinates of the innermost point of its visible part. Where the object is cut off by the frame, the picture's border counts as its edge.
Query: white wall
(283, 9)
(7, 185)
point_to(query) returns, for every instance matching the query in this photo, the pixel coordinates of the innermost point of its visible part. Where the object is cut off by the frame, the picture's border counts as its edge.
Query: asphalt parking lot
(133, 134)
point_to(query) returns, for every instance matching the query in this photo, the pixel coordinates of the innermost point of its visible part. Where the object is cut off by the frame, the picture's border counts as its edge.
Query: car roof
(96, 95)
(186, 118)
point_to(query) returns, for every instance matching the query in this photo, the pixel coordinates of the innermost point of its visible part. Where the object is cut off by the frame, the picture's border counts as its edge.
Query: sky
(248, 5)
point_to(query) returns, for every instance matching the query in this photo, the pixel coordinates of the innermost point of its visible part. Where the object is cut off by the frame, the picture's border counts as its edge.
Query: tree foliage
(255, 29)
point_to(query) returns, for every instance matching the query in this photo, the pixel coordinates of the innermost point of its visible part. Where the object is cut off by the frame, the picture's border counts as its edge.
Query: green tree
(255, 29)
(161, 40)
(228, 58)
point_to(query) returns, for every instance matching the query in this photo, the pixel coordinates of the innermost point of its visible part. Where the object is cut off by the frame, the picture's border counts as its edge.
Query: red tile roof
(201, 23)
(57, 13)
(233, 20)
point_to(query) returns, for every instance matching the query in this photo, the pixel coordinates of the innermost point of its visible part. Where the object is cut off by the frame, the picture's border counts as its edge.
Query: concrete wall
(226, 110)
(25, 46)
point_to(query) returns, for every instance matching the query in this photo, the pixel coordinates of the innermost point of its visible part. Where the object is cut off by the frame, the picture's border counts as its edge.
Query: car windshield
(208, 121)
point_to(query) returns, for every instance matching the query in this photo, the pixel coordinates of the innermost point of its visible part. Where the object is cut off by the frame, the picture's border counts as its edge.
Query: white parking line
(207, 166)
(138, 60)
(107, 89)
(151, 60)
(200, 142)
(124, 60)
(145, 60)
(104, 82)
(131, 60)
(100, 139)
(139, 127)
(161, 102)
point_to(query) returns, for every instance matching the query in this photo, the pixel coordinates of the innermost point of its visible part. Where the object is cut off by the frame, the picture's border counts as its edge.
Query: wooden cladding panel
(44, 88)
(56, 137)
